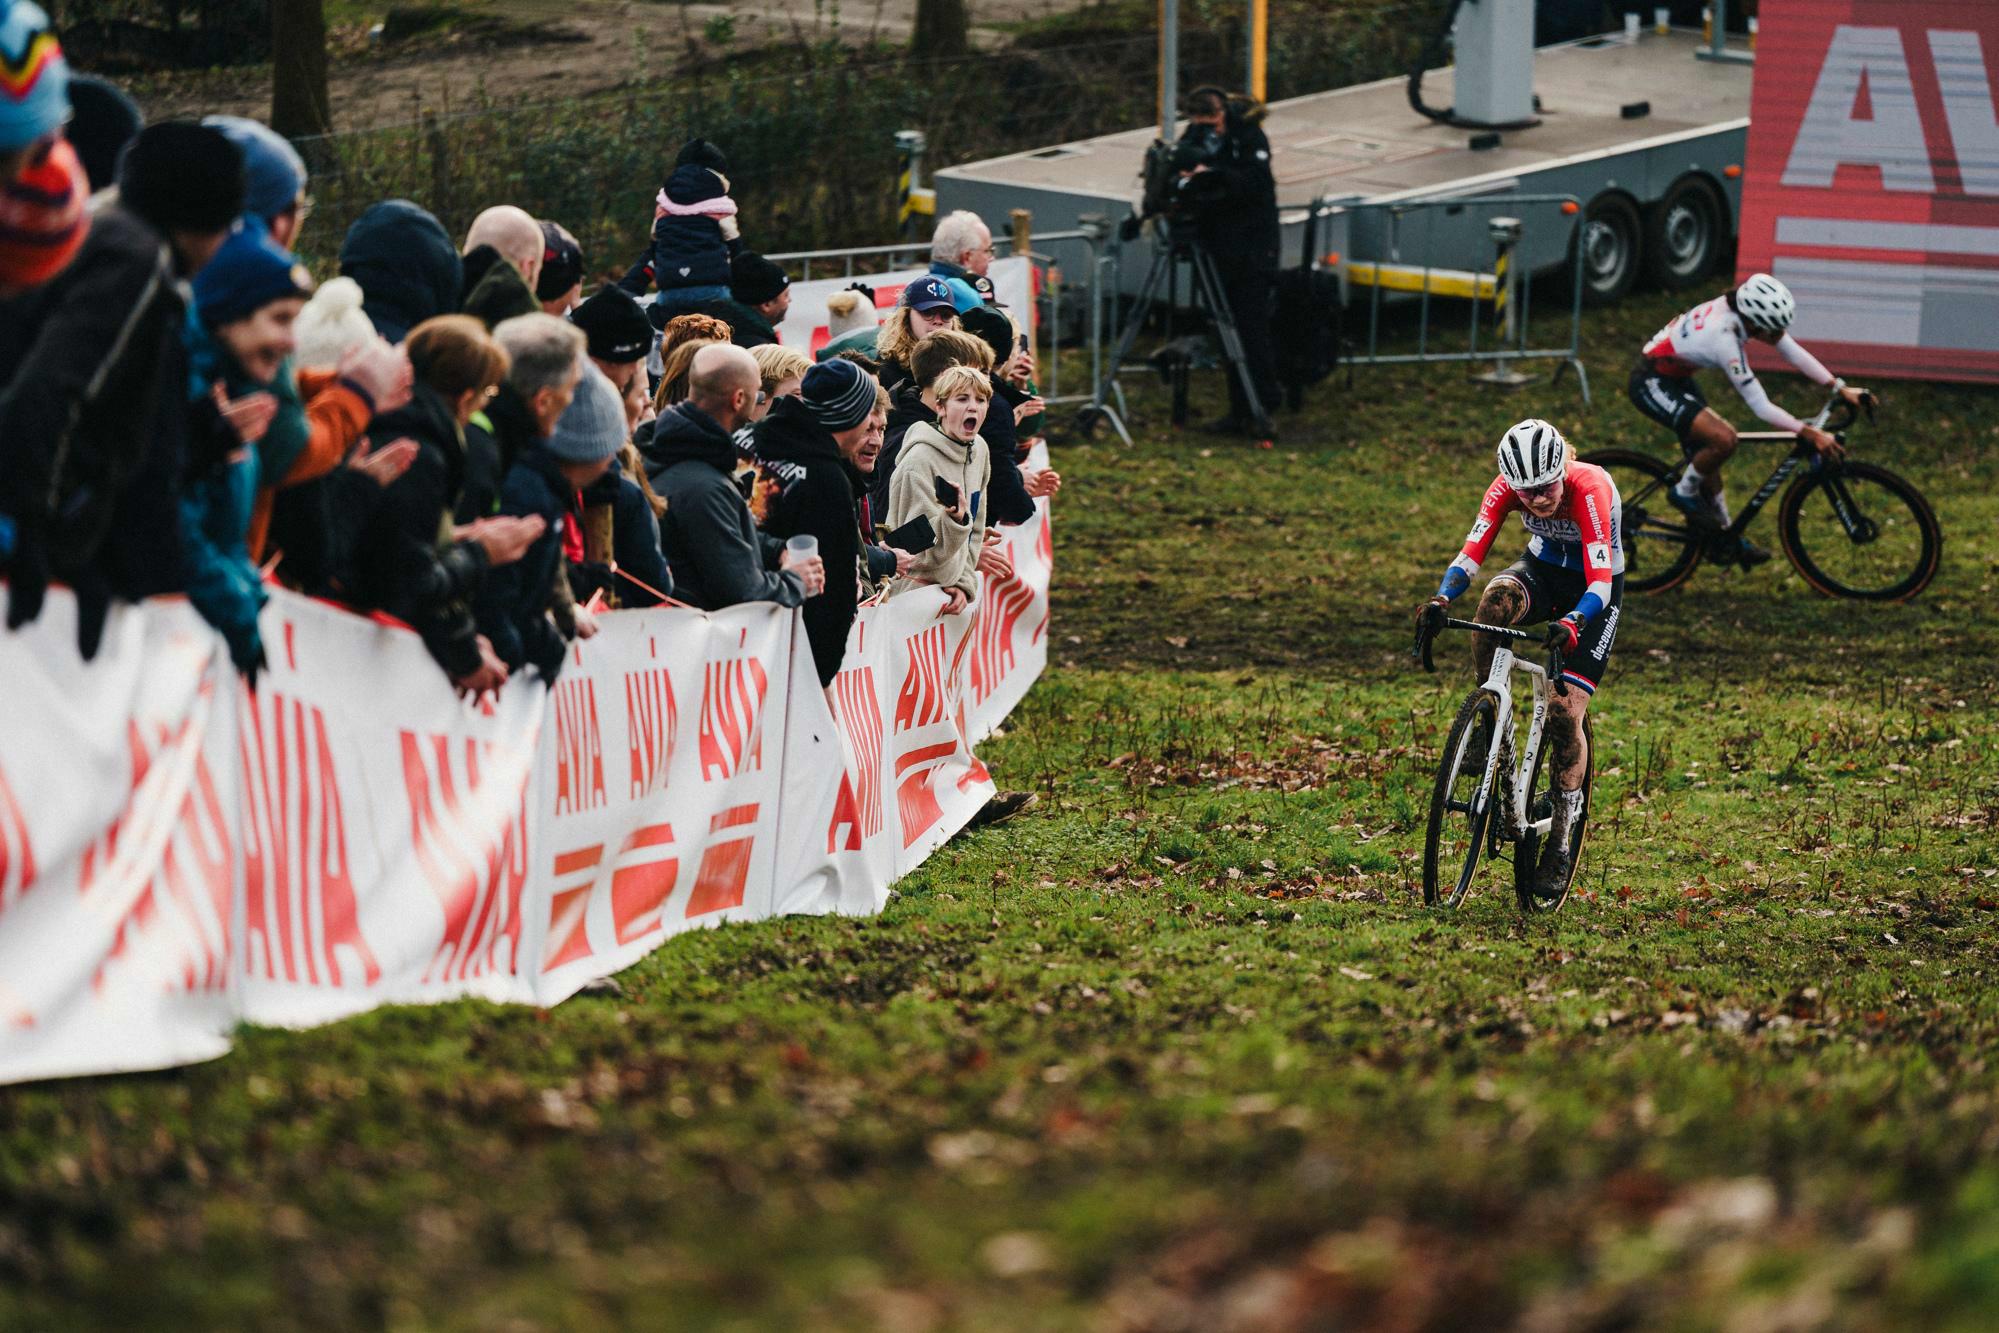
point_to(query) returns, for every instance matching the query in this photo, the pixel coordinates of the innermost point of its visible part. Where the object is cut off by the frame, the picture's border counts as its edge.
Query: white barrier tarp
(804, 325)
(178, 854)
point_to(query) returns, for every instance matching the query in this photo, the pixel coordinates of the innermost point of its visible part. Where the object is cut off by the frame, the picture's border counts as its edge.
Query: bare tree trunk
(943, 30)
(299, 102)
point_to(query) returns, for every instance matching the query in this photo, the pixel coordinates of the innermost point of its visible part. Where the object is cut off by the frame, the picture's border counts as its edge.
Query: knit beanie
(34, 77)
(102, 120)
(616, 325)
(273, 172)
(248, 273)
(561, 262)
(331, 325)
(754, 280)
(43, 219)
(181, 176)
(990, 327)
(838, 394)
(850, 311)
(592, 427)
(700, 153)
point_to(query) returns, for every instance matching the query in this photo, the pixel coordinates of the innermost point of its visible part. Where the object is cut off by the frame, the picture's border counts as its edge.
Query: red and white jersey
(1712, 336)
(1585, 533)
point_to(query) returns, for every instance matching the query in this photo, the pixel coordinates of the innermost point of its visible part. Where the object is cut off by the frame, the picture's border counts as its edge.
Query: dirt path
(567, 50)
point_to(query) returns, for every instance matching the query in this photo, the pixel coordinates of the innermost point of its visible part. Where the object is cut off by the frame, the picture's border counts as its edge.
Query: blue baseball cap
(929, 293)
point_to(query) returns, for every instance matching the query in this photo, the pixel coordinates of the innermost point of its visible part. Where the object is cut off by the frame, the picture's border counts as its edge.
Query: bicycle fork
(1514, 823)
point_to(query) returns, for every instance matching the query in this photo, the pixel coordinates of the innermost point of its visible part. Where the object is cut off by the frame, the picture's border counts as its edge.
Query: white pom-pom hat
(330, 324)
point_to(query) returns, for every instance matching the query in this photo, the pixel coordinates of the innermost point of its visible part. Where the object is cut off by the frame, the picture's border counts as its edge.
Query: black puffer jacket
(513, 601)
(93, 373)
(402, 563)
(818, 493)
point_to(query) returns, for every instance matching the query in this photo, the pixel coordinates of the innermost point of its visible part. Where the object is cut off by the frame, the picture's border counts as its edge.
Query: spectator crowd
(470, 435)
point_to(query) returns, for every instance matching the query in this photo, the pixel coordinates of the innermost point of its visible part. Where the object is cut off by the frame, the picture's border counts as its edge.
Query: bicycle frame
(1801, 453)
(1499, 680)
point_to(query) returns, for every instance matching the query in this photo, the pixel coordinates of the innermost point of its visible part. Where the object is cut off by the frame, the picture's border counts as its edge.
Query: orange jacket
(335, 417)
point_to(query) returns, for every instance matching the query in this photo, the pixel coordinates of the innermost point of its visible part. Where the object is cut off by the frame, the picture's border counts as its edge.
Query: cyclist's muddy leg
(1714, 444)
(1568, 753)
(1503, 602)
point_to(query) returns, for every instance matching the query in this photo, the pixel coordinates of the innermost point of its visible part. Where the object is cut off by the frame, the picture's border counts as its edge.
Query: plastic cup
(803, 545)
(1662, 20)
(1630, 26)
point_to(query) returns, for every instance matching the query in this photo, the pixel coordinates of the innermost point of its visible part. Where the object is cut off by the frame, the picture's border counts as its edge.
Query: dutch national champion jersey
(1585, 534)
(1711, 336)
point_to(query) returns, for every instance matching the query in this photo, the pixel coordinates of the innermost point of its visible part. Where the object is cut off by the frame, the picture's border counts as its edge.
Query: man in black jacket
(93, 412)
(712, 545)
(1238, 228)
(806, 444)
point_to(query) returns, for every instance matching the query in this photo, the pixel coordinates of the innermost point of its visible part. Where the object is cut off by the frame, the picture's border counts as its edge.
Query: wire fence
(808, 126)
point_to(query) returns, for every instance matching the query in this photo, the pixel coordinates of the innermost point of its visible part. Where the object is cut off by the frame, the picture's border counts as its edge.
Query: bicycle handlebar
(1426, 634)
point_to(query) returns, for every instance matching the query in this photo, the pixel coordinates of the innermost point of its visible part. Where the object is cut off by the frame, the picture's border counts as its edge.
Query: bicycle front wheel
(1660, 547)
(1460, 807)
(1856, 530)
(1540, 805)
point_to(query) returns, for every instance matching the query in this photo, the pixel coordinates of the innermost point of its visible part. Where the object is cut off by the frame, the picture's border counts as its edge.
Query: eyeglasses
(762, 397)
(1542, 492)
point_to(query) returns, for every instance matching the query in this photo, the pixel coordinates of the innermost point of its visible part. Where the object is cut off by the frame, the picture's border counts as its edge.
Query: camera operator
(1237, 225)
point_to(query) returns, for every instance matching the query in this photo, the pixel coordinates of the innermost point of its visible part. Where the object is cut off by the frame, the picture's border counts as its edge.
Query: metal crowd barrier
(1038, 249)
(1402, 241)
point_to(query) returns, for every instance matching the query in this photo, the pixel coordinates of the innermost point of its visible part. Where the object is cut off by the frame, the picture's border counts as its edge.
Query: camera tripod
(1210, 295)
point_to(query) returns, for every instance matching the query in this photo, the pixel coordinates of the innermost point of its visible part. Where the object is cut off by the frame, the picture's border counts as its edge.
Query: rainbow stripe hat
(34, 77)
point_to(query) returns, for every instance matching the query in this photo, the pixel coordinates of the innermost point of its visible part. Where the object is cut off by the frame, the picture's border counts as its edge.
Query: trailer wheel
(1609, 237)
(1684, 233)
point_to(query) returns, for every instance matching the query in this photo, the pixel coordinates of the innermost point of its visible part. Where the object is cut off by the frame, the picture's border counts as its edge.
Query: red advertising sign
(1872, 186)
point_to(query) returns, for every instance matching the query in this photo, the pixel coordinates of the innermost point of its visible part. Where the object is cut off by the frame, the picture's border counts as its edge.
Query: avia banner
(804, 325)
(1873, 182)
(179, 854)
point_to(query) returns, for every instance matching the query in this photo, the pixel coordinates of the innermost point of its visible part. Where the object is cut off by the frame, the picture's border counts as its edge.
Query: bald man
(512, 232)
(717, 556)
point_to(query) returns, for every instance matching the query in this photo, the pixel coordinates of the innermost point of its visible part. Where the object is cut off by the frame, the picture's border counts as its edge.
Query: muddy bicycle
(1850, 528)
(1484, 802)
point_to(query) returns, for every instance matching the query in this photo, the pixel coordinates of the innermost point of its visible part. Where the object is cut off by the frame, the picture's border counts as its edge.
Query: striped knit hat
(34, 77)
(838, 394)
(43, 219)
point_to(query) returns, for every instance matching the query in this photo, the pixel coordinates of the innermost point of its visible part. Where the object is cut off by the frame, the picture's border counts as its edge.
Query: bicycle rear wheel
(1459, 811)
(1856, 530)
(1527, 848)
(1660, 547)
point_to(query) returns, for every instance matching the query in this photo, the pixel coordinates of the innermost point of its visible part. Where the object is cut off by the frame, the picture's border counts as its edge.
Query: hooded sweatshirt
(927, 454)
(817, 493)
(406, 265)
(710, 539)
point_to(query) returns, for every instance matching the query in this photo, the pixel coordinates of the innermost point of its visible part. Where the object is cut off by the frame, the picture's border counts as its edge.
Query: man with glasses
(1571, 576)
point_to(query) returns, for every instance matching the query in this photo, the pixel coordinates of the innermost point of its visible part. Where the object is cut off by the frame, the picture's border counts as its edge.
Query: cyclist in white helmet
(1712, 336)
(1572, 575)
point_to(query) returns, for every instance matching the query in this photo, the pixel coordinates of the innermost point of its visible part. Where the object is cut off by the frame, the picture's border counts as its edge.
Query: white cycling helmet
(1532, 454)
(1765, 304)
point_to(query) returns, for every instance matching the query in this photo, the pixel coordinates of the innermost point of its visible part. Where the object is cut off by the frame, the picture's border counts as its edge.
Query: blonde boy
(951, 452)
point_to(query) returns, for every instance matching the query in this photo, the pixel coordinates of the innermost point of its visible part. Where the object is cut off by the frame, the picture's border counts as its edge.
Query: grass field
(1183, 1050)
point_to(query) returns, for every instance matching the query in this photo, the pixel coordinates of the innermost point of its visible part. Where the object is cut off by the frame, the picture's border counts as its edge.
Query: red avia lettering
(725, 862)
(859, 807)
(732, 699)
(652, 722)
(470, 840)
(920, 702)
(17, 853)
(642, 880)
(300, 912)
(579, 751)
(999, 611)
(1864, 112)
(915, 796)
(178, 925)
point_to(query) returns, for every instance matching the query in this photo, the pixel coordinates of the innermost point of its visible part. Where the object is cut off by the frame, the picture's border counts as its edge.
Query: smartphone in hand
(948, 493)
(915, 536)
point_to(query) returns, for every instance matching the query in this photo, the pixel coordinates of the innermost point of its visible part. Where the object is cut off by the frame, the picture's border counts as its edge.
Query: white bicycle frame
(1499, 681)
